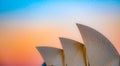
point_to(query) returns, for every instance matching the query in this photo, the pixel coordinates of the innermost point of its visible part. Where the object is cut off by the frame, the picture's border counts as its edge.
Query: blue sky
(11, 5)
(84, 10)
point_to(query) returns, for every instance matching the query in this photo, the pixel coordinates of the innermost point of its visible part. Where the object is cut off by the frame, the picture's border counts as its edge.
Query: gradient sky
(25, 24)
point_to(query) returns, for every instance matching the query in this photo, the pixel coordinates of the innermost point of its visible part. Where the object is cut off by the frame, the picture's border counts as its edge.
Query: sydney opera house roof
(97, 50)
(97, 46)
(75, 52)
(52, 56)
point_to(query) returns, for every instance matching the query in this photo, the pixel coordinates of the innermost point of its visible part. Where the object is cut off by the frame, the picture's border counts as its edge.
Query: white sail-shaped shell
(52, 56)
(75, 53)
(100, 50)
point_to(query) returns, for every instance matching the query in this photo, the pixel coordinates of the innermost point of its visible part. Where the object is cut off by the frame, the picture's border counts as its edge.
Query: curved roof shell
(100, 50)
(75, 52)
(52, 56)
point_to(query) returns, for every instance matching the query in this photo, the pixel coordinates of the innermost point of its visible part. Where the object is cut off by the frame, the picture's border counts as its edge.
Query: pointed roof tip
(41, 47)
(63, 38)
(67, 39)
(83, 28)
(81, 25)
(77, 24)
(37, 47)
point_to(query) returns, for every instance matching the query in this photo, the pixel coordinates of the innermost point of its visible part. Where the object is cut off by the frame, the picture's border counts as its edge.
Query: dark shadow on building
(44, 64)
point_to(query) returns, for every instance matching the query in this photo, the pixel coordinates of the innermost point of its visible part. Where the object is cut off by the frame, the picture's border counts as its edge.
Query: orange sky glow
(18, 45)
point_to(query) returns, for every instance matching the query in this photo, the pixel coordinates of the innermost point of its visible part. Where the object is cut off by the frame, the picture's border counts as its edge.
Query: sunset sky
(26, 24)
